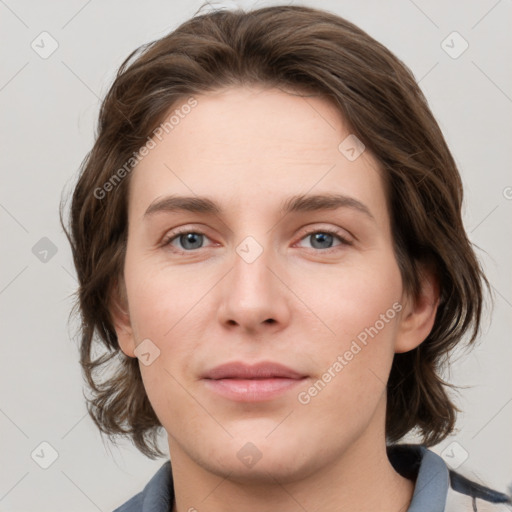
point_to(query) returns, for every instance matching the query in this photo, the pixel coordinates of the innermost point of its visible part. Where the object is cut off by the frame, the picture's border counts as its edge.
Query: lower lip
(253, 390)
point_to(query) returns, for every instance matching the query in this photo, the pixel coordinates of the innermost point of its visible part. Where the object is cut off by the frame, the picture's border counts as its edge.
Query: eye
(188, 240)
(323, 239)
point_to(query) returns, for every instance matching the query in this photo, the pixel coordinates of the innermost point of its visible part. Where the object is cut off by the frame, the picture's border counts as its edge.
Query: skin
(249, 149)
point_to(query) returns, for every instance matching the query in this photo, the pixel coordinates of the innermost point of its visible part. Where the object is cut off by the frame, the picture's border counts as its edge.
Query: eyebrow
(294, 204)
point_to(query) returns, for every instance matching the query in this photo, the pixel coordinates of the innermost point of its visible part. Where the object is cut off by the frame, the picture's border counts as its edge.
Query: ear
(419, 313)
(120, 316)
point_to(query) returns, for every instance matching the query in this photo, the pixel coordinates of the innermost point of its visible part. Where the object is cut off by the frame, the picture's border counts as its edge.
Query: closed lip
(262, 370)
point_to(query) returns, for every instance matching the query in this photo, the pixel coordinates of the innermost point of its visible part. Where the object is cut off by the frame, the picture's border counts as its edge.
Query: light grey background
(49, 109)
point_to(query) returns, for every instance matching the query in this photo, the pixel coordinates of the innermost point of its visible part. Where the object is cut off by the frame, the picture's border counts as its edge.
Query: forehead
(250, 145)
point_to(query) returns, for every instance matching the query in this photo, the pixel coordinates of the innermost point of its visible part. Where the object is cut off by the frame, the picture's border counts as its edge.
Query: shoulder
(134, 504)
(156, 496)
(437, 487)
(466, 494)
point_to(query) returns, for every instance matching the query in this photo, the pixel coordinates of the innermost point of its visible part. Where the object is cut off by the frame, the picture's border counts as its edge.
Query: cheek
(162, 300)
(170, 307)
(163, 308)
(348, 298)
(352, 371)
(360, 306)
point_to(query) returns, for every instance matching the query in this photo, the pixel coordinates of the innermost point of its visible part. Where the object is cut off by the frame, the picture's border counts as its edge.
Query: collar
(428, 470)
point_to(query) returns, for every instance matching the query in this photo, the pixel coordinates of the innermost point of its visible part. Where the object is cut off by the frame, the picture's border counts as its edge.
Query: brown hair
(309, 51)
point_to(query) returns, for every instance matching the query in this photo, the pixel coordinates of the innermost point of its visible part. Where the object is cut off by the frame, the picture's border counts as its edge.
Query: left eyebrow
(318, 202)
(294, 204)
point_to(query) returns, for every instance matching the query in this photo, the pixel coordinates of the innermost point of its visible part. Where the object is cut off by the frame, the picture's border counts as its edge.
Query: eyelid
(341, 233)
(169, 237)
(306, 231)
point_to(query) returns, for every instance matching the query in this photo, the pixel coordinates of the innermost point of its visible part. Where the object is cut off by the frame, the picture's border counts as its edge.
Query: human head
(315, 54)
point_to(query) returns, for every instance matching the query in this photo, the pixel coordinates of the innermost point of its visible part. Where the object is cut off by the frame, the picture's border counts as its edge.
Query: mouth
(252, 383)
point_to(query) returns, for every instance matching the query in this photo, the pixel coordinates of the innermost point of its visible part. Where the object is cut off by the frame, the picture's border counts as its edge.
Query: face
(310, 284)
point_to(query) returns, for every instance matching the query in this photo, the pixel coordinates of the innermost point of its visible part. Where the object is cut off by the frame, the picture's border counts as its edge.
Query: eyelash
(336, 233)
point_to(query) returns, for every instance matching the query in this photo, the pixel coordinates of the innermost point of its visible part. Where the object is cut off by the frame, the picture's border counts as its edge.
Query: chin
(263, 462)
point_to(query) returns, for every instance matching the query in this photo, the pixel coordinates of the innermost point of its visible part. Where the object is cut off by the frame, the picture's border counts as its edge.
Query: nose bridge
(251, 275)
(252, 293)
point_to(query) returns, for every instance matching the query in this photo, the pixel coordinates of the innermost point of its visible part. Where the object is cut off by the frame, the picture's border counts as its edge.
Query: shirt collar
(416, 462)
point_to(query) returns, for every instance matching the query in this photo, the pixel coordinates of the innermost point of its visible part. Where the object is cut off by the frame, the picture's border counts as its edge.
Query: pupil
(189, 238)
(321, 238)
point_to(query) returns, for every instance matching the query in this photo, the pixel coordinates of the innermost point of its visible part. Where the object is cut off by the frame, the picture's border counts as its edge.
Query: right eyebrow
(183, 203)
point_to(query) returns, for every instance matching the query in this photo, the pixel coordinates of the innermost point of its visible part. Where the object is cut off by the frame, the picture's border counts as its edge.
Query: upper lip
(263, 370)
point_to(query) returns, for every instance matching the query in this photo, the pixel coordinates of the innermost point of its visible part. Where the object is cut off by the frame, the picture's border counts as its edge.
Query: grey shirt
(437, 488)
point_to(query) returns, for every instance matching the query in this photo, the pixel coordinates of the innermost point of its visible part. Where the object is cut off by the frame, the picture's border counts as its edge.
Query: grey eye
(190, 241)
(321, 240)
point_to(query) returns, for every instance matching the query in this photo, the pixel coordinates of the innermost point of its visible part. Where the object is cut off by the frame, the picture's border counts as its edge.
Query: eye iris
(195, 239)
(191, 238)
(321, 238)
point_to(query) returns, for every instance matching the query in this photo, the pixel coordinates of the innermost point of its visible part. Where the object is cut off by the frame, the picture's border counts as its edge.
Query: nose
(254, 294)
